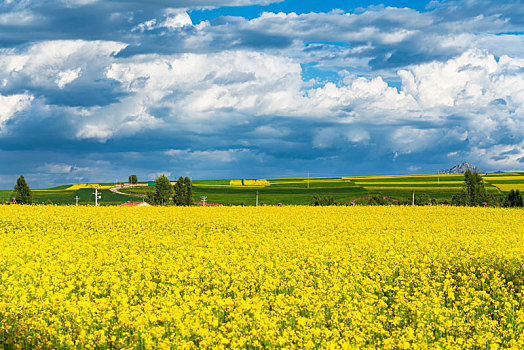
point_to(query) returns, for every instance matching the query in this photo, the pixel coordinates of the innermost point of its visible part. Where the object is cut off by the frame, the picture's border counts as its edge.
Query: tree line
(181, 194)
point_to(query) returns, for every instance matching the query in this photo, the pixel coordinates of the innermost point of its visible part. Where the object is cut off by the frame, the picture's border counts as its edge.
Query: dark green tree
(318, 200)
(180, 192)
(183, 192)
(23, 192)
(150, 197)
(133, 179)
(377, 199)
(473, 192)
(513, 199)
(422, 199)
(189, 191)
(163, 191)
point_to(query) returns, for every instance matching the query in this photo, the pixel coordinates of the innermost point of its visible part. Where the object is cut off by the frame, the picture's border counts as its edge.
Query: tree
(318, 200)
(163, 191)
(473, 192)
(180, 192)
(514, 199)
(183, 192)
(189, 190)
(377, 199)
(422, 199)
(133, 179)
(23, 192)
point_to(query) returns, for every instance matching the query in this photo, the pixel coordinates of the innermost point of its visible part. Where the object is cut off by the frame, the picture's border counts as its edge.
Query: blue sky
(94, 90)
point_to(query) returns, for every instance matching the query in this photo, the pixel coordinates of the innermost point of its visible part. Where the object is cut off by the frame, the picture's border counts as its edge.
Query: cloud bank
(378, 90)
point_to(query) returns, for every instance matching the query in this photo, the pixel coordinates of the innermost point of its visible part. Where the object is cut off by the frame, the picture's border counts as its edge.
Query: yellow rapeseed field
(266, 277)
(255, 182)
(81, 186)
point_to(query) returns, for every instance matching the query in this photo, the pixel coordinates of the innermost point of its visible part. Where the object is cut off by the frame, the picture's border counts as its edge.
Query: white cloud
(407, 139)
(282, 88)
(459, 81)
(474, 99)
(222, 156)
(159, 173)
(207, 93)
(18, 19)
(10, 105)
(176, 152)
(487, 93)
(67, 76)
(76, 3)
(55, 63)
(173, 19)
(397, 36)
(508, 157)
(55, 168)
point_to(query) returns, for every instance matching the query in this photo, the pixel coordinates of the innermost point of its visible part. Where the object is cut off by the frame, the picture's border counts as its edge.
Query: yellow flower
(245, 277)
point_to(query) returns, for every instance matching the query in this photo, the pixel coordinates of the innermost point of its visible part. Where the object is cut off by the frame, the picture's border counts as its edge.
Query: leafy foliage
(375, 199)
(23, 192)
(513, 199)
(183, 192)
(473, 192)
(189, 190)
(423, 199)
(133, 179)
(162, 193)
(318, 200)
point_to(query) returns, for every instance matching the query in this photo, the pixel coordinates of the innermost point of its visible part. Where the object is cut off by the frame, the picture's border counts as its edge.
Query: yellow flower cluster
(510, 186)
(80, 186)
(248, 277)
(496, 177)
(435, 188)
(409, 184)
(384, 177)
(255, 182)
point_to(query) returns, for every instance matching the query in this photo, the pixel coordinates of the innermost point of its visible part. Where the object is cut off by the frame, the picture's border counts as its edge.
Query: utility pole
(97, 196)
(203, 198)
(438, 177)
(257, 200)
(76, 200)
(413, 201)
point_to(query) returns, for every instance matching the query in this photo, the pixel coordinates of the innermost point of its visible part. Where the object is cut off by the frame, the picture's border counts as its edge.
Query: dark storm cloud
(30, 21)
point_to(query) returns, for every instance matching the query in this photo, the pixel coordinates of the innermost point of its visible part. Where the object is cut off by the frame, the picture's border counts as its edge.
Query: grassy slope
(295, 191)
(60, 196)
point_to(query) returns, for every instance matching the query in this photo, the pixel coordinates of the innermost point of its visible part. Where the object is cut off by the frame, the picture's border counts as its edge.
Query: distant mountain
(461, 169)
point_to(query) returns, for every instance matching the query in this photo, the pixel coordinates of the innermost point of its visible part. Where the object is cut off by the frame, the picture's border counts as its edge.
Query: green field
(295, 191)
(344, 189)
(67, 197)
